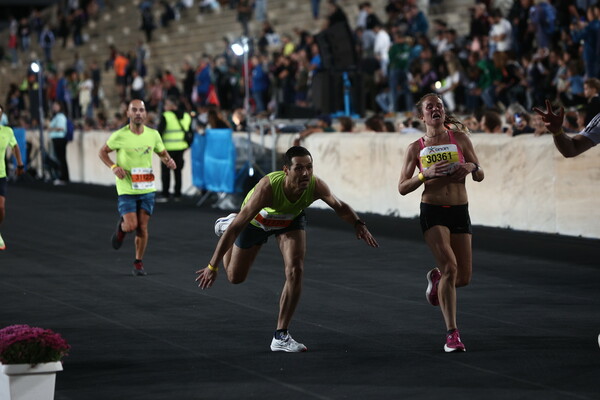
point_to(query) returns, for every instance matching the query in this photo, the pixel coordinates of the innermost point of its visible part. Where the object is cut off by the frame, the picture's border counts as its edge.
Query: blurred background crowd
(381, 57)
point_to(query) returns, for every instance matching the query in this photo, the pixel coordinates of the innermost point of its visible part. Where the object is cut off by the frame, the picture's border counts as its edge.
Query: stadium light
(36, 68)
(241, 48)
(237, 49)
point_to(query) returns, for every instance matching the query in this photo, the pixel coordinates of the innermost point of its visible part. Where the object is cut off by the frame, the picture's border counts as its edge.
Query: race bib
(142, 178)
(434, 154)
(269, 222)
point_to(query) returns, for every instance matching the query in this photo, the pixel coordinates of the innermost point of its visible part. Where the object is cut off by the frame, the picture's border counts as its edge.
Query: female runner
(444, 157)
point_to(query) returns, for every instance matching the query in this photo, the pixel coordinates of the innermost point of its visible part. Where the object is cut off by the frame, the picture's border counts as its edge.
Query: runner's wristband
(213, 269)
(359, 222)
(113, 166)
(421, 177)
(558, 133)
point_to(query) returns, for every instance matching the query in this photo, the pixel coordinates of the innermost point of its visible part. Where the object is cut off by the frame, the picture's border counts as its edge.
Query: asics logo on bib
(437, 149)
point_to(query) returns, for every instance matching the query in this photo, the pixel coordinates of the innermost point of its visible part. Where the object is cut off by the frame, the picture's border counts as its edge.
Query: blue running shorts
(129, 203)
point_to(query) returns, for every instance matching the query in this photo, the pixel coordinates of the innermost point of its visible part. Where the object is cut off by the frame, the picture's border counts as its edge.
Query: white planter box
(22, 382)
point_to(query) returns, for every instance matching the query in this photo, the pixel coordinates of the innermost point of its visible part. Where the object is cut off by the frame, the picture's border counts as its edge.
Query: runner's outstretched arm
(345, 212)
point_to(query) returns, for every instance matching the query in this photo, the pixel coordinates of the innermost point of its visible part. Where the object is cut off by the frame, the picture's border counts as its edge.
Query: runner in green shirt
(275, 206)
(134, 144)
(7, 139)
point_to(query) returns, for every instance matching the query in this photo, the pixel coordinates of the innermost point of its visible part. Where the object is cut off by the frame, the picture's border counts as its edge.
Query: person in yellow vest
(174, 123)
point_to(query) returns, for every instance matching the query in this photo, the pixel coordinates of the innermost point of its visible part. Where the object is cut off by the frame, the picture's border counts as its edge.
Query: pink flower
(23, 344)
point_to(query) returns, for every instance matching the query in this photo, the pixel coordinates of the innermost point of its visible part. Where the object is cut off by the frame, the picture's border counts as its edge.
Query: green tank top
(283, 212)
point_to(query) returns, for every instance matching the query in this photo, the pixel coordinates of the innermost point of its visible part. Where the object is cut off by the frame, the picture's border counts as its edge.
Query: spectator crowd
(515, 55)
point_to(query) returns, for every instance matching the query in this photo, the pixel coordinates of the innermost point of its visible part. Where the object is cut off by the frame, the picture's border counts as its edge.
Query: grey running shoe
(222, 223)
(287, 344)
(118, 236)
(138, 269)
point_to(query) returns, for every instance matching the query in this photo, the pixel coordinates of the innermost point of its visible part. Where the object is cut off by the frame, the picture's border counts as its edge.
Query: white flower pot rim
(42, 368)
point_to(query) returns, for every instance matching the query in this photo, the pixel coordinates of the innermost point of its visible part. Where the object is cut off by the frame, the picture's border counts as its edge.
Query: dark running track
(530, 319)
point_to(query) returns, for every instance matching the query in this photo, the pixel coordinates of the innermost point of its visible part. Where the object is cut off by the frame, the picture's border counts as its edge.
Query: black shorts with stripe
(252, 235)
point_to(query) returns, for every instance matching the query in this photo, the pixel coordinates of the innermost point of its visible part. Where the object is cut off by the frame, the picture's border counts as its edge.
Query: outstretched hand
(206, 278)
(552, 121)
(362, 232)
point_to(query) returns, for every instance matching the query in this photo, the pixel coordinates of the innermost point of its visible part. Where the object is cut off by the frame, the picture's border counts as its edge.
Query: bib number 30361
(434, 154)
(142, 178)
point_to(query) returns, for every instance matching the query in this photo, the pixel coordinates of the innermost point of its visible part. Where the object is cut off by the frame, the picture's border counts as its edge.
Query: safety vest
(174, 136)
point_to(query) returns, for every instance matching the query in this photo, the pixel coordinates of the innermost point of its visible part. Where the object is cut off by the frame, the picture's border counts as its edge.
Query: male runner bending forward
(275, 206)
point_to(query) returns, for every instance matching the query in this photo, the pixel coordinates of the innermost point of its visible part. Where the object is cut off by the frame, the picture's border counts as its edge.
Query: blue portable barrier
(20, 136)
(197, 157)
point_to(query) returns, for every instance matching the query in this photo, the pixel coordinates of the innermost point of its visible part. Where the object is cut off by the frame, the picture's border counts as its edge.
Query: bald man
(135, 180)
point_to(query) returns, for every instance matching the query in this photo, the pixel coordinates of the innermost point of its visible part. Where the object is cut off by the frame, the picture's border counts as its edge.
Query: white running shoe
(222, 223)
(2, 244)
(287, 344)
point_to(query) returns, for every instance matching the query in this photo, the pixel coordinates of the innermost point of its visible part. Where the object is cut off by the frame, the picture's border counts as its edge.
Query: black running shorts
(3, 185)
(252, 235)
(455, 218)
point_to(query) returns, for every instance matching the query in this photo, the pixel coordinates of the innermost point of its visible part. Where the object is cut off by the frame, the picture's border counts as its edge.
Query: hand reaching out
(552, 121)
(206, 277)
(362, 232)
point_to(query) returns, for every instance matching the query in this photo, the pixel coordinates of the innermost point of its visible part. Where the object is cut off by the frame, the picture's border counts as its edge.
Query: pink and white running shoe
(453, 342)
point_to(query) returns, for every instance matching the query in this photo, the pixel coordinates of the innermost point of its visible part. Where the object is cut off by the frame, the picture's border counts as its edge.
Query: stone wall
(528, 185)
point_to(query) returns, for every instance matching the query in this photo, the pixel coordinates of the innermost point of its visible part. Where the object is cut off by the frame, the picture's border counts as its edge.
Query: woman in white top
(86, 86)
(451, 81)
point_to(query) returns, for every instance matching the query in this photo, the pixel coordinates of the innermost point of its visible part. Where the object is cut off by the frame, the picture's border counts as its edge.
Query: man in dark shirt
(591, 91)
